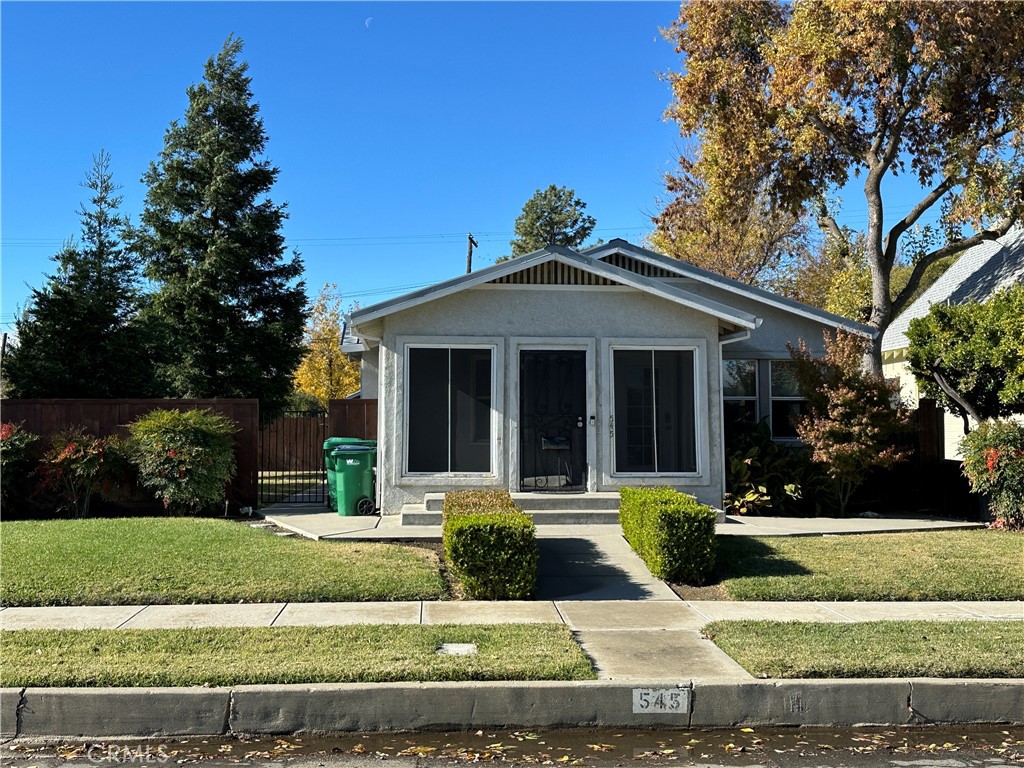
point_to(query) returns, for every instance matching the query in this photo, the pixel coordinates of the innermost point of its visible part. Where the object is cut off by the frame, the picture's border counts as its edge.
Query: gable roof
(684, 269)
(581, 261)
(975, 276)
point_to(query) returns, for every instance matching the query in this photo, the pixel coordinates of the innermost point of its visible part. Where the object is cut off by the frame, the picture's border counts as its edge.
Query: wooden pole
(469, 253)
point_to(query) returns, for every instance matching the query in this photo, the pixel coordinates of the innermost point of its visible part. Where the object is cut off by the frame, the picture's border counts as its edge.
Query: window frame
(772, 398)
(496, 348)
(754, 398)
(610, 475)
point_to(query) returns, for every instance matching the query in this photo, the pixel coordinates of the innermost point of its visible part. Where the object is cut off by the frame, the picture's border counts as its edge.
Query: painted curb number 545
(649, 701)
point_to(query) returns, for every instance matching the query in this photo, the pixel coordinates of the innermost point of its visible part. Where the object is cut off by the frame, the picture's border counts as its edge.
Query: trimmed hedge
(672, 532)
(490, 545)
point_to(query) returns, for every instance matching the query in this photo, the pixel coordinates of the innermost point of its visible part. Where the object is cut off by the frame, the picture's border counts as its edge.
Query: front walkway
(650, 640)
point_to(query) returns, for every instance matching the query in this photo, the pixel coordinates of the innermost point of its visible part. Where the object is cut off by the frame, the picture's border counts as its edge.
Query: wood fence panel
(293, 444)
(353, 418)
(47, 417)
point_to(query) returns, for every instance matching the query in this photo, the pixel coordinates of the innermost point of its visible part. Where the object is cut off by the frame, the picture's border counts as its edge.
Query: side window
(739, 396)
(787, 400)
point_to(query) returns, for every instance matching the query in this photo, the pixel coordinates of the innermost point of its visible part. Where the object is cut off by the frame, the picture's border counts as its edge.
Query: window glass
(655, 411)
(449, 421)
(739, 378)
(784, 383)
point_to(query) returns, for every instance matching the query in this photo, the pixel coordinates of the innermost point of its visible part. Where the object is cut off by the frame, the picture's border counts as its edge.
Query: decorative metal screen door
(552, 419)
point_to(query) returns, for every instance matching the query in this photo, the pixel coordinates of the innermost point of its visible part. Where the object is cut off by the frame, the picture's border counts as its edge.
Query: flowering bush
(74, 468)
(994, 463)
(14, 442)
(185, 458)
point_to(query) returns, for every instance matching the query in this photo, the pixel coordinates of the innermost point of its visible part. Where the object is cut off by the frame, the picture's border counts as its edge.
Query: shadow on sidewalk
(578, 569)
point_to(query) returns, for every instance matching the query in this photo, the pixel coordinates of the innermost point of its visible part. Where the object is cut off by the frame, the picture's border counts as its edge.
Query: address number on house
(650, 701)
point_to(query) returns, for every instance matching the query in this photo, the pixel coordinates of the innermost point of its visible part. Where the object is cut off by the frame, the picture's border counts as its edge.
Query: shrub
(185, 458)
(672, 532)
(490, 545)
(14, 443)
(76, 467)
(994, 464)
(854, 416)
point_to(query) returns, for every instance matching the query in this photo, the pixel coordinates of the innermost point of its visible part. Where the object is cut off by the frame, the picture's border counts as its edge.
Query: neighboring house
(577, 371)
(975, 276)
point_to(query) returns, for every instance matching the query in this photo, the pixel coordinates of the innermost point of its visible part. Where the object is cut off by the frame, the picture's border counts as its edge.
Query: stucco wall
(503, 316)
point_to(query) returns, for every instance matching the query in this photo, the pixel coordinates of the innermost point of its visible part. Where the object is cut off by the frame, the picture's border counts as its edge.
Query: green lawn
(184, 560)
(236, 656)
(931, 565)
(874, 649)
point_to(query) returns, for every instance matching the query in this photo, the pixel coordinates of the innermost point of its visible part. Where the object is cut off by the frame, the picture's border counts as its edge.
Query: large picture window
(449, 416)
(655, 411)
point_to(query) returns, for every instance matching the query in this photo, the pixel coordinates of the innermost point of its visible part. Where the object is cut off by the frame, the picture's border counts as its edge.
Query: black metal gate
(291, 459)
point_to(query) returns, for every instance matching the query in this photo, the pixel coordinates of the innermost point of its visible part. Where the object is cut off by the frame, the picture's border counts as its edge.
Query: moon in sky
(368, 22)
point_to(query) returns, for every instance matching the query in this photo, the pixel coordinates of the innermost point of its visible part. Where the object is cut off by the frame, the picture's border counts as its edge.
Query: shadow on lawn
(741, 556)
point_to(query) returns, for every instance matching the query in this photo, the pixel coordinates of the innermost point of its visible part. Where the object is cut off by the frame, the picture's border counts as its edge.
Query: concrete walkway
(627, 640)
(316, 522)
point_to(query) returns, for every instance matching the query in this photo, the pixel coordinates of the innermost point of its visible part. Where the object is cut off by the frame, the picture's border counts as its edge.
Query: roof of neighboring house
(975, 276)
(593, 260)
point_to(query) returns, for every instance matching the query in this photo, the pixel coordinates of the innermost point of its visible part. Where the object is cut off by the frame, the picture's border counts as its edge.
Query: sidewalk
(627, 639)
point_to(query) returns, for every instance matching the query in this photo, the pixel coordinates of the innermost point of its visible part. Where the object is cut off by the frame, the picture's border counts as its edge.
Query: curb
(38, 713)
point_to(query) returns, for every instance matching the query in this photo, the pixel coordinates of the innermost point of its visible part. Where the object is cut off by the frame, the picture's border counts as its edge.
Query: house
(979, 272)
(577, 371)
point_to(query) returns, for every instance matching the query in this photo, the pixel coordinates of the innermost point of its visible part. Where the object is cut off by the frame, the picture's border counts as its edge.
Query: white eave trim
(569, 258)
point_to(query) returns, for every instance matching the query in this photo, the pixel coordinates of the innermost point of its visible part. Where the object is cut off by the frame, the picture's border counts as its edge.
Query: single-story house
(978, 273)
(577, 371)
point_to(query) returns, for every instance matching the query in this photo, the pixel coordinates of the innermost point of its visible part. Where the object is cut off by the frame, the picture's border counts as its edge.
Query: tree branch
(826, 222)
(892, 239)
(950, 391)
(950, 249)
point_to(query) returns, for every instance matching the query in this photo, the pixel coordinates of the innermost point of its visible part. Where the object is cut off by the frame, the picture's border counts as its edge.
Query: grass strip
(930, 565)
(185, 560)
(874, 649)
(264, 655)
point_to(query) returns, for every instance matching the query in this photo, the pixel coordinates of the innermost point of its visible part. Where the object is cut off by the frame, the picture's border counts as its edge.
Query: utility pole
(469, 254)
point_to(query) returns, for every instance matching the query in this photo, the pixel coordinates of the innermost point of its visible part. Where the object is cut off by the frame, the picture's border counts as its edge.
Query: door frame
(543, 344)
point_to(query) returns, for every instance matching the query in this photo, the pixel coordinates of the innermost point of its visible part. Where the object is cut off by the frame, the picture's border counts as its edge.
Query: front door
(552, 419)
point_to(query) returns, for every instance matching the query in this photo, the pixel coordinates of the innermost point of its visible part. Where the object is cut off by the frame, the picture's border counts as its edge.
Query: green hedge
(490, 545)
(673, 533)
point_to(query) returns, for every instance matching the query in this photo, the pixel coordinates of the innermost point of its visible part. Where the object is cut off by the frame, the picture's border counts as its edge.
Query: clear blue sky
(397, 127)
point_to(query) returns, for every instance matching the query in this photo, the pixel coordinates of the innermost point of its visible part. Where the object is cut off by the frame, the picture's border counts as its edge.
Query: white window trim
(701, 409)
(540, 343)
(781, 398)
(402, 476)
(744, 398)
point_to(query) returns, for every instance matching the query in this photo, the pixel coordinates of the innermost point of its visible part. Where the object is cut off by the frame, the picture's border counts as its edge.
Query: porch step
(607, 501)
(419, 514)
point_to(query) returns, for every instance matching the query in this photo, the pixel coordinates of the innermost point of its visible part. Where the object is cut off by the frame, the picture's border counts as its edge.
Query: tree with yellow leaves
(325, 372)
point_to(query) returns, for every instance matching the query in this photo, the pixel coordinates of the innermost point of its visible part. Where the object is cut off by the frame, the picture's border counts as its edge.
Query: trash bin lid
(353, 449)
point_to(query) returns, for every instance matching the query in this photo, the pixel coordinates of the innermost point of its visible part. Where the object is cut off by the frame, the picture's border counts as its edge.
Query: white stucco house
(577, 371)
(978, 273)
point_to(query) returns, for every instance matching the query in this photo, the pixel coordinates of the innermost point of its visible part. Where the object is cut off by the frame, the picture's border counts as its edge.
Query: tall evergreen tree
(228, 300)
(79, 335)
(553, 216)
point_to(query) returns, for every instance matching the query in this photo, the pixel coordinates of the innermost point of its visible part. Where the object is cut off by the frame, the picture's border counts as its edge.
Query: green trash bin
(355, 467)
(331, 465)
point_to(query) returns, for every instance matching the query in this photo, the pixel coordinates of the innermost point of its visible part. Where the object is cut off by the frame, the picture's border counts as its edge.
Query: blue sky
(397, 127)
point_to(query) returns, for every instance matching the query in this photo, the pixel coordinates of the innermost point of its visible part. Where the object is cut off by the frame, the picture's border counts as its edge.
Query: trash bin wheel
(365, 507)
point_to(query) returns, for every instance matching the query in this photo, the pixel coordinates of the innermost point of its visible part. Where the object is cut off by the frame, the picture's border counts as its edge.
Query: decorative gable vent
(552, 273)
(622, 261)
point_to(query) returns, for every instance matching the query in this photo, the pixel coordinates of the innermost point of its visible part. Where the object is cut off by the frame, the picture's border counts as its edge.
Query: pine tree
(79, 335)
(553, 216)
(228, 300)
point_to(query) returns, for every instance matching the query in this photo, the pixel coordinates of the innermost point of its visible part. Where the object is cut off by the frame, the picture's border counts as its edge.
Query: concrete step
(528, 502)
(418, 514)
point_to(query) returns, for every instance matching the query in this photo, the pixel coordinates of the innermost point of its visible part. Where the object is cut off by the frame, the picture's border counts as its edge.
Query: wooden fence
(47, 417)
(294, 443)
(353, 418)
